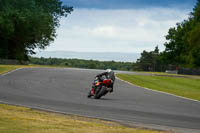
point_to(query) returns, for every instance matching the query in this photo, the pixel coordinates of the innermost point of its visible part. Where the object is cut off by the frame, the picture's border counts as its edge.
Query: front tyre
(101, 93)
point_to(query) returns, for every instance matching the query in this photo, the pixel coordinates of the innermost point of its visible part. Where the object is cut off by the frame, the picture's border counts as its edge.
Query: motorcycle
(102, 87)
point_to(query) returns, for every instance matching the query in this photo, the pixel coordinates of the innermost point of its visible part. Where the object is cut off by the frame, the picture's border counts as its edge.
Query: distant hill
(102, 56)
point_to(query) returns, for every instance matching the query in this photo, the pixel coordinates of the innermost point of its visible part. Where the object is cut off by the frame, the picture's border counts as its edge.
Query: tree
(194, 37)
(28, 24)
(183, 46)
(176, 48)
(149, 61)
(194, 44)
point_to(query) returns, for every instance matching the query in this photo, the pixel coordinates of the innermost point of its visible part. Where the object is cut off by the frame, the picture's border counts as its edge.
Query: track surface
(65, 90)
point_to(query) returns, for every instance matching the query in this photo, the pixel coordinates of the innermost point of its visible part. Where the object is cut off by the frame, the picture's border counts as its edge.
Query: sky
(126, 26)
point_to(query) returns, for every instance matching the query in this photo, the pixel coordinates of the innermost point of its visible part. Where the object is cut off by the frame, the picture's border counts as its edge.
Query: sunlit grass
(24, 120)
(7, 68)
(168, 74)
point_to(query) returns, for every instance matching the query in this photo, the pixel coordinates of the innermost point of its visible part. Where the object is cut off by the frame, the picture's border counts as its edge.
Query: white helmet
(108, 70)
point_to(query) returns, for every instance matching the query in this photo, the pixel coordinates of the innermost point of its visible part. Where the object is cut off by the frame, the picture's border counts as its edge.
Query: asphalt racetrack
(65, 90)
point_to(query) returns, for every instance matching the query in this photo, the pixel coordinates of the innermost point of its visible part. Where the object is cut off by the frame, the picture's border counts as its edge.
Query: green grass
(186, 87)
(168, 74)
(24, 120)
(7, 68)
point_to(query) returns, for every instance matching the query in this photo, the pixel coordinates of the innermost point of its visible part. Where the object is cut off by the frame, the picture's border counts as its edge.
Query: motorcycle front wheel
(101, 92)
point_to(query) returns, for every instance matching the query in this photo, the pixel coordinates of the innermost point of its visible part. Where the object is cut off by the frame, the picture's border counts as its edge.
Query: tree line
(182, 48)
(80, 63)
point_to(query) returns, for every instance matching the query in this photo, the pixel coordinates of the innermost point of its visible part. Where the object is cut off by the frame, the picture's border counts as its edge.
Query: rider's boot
(91, 92)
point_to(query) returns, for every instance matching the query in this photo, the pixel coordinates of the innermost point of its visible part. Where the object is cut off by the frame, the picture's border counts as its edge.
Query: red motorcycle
(100, 87)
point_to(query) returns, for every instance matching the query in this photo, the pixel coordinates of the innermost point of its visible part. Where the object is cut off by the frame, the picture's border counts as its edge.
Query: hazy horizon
(101, 56)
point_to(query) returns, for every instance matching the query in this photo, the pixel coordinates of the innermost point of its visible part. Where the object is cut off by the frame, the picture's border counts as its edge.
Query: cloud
(122, 30)
(106, 31)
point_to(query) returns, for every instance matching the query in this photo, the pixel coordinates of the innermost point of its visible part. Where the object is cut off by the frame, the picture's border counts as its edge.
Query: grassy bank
(24, 120)
(7, 68)
(14, 119)
(186, 87)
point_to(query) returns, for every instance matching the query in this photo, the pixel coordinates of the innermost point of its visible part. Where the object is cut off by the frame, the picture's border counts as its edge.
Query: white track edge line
(159, 91)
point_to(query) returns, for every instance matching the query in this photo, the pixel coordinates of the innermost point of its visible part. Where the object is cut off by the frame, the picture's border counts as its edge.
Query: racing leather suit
(109, 75)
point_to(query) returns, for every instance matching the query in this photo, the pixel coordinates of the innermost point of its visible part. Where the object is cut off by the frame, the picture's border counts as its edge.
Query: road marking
(159, 91)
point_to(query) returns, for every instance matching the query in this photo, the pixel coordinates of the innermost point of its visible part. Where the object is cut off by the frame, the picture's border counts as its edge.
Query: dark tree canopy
(183, 46)
(149, 61)
(28, 24)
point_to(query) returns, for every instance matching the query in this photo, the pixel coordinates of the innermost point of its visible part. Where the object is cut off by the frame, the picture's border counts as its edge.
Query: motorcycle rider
(109, 74)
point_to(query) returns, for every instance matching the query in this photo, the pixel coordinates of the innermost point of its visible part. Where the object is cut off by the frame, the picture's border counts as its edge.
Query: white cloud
(136, 30)
(106, 31)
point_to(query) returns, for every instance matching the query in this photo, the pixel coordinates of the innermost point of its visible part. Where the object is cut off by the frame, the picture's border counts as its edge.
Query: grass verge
(22, 120)
(172, 75)
(186, 87)
(14, 119)
(7, 68)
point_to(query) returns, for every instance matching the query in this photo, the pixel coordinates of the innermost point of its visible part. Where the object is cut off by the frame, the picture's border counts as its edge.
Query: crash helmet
(108, 70)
